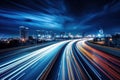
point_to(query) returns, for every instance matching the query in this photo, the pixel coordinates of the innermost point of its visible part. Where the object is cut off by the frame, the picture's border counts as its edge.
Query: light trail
(103, 61)
(17, 66)
(70, 68)
(66, 60)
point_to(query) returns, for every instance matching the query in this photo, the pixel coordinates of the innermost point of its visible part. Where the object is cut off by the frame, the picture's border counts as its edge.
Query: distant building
(101, 33)
(113, 41)
(116, 40)
(62, 34)
(83, 34)
(23, 33)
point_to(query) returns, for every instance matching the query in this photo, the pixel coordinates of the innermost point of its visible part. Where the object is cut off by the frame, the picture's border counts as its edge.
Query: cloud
(59, 15)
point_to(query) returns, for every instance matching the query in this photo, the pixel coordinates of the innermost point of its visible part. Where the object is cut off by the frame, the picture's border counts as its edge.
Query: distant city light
(110, 39)
(23, 40)
(57, 36)
(49, 36)
(99, 35)
(8, 42)
(38, 35)
(65, 36)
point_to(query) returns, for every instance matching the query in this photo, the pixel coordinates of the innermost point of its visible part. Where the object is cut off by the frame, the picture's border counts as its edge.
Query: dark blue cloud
(60, 15)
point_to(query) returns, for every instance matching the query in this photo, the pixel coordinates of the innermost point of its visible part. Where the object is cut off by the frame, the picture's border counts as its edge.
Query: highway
(65, 60)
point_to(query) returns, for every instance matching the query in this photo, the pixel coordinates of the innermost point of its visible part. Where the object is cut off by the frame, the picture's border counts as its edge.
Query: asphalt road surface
(65, 60)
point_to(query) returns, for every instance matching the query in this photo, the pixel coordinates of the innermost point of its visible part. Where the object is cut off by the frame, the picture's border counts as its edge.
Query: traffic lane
(74, 66)
(70, 67)
(47, 53)
(8, 56)
(53, 69)
(67, 68)
(106, 65)
(107, 56)
(87, 70)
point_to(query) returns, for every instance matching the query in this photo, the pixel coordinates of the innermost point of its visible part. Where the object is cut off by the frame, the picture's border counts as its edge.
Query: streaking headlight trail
(65, 60)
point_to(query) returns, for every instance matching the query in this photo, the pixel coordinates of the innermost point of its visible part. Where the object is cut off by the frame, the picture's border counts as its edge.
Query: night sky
(60, 15)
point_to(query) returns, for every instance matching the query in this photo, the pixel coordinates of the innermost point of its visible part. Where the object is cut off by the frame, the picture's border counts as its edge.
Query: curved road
(65, 60)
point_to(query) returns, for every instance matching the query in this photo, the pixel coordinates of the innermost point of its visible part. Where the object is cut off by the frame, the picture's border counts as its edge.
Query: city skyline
(60, 40)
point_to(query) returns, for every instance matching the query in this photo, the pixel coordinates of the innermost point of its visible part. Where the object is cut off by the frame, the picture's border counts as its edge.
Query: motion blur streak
(65, 60)
(18, 67)
(108, 64)
(74, 70)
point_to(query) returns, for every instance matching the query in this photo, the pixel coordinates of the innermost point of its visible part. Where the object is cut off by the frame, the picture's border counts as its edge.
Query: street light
(23, 40)
(99, 35)
(110, 39)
